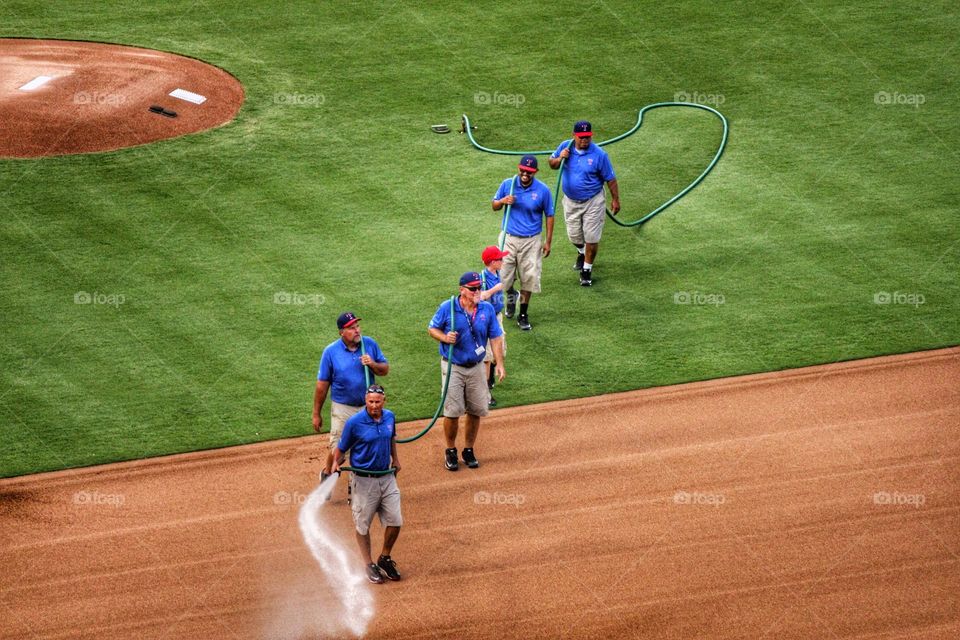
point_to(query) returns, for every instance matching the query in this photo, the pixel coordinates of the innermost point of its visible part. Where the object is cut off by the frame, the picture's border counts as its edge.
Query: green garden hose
(723, 143)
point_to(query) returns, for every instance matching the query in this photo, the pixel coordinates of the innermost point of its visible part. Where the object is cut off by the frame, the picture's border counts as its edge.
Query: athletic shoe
(578, 265)
(586, 277)
(451, 460)
(389, 567)
(373, 574)
(511, 306)
(524, 323)
(493, 402)
(323, 476)
(470, 459)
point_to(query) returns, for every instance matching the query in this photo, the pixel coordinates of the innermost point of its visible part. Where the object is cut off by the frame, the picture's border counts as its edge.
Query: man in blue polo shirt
(371, 438)
(585, 170)
(530, 203)
(468, 329)
(341, 374)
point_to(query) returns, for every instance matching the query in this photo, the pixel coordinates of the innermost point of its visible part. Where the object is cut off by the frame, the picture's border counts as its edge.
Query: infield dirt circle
(62, 97)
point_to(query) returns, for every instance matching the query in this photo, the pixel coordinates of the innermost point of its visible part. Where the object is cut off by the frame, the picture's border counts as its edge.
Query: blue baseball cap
(347, 319)
(528, 163)
(470, 279)
(582, 129)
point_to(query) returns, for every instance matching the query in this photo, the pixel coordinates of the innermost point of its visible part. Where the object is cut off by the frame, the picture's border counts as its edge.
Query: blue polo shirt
(490, 279)
(368, 440)
(584, 173)
(532, 203)
(472, 331)
(342, 369)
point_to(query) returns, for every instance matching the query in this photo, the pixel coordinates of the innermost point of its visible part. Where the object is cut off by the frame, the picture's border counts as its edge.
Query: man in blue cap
(530, 202)
(371, 438)
(586, 168)
(471, 325)
(341, 374)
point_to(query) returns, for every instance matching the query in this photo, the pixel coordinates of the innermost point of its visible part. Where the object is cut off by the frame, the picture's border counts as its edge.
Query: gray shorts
(339, 414)
(524, 263)
(489, 355)
(468, 391)
(379, 495)
(585, 218)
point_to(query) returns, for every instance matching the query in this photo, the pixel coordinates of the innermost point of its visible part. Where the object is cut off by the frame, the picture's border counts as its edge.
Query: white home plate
(189, 96)
(36, 83)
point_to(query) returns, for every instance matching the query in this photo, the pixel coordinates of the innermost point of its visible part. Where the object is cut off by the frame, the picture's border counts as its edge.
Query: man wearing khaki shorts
(341, 373)
(585, 171)
(530, 202)
(371, 438)
(468, 328)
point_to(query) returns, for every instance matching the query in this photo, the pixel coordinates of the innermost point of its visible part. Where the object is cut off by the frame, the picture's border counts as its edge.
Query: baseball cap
(528, 163)
(470, 279)
(492, 253)
(346, 319)
(582, 129)
(375, 388)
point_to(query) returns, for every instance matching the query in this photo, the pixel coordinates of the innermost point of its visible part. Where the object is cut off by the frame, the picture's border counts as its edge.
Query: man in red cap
(530, 203)
(341, 373)
(585, 170)
(468, 327)
(492, 292)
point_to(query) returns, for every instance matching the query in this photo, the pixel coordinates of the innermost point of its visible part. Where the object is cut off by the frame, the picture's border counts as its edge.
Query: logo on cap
(347, 319)
(582, 129)
(470, 279)
(528, 163)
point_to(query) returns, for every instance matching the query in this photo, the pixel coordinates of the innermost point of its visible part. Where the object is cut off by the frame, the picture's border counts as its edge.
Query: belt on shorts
(364, 474)
(467, 365)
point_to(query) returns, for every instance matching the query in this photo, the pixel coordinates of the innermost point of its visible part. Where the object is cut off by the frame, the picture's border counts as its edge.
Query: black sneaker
(469, 459)
(373, 574)
(524, 323)
(389, 567)
(451, 460)
(586, 277)
(578, 265)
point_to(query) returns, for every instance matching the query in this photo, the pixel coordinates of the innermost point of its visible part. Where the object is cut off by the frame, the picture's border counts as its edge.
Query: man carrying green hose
(467, 326)
(530, 202)
(586, 167)
(371, 438)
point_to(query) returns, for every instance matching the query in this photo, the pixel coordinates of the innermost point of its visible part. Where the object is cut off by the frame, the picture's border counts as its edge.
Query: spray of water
(338, 563)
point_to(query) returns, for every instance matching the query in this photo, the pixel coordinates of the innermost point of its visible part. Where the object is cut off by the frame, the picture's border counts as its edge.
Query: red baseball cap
(492, 253)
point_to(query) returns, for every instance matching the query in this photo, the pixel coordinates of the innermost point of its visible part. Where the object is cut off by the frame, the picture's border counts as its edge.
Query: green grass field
(836, 187)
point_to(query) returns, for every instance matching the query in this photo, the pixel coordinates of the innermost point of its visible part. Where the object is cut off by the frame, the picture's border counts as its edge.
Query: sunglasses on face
(471, 288)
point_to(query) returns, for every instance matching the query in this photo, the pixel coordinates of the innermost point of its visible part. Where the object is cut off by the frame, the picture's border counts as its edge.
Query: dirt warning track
(816, 503)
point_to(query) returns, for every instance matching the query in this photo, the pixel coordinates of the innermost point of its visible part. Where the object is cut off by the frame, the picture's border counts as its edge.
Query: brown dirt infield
(815, 503)
(99, 95)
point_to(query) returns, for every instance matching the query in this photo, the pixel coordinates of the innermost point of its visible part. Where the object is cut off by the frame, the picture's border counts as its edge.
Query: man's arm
(393, 453)
(378, 368)
(319, 397)
(614, 196)
(546, 245)
(440, 336)
(498, 204)
(337, 460)
(497, 344)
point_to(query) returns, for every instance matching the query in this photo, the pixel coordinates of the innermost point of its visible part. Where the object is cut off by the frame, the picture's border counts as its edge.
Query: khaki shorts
(585, 218)
(339, 414)
(380, 496)
(524, 263)
(489, 355)
(468, 391)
